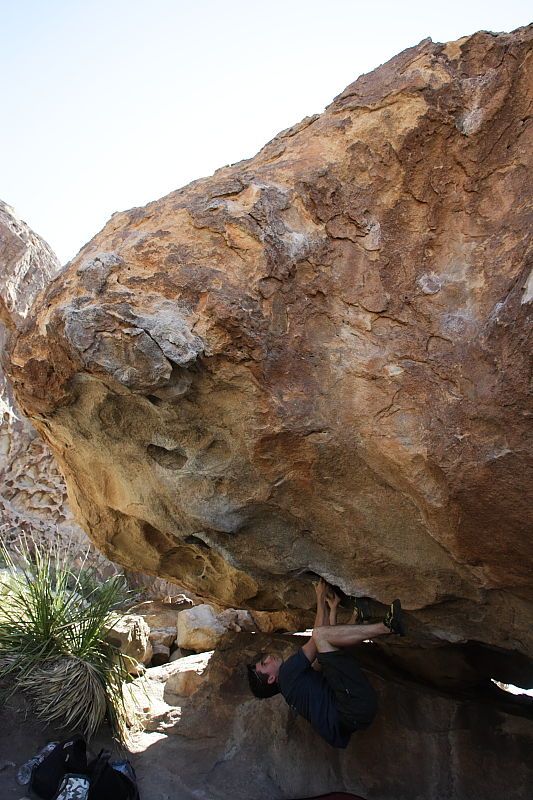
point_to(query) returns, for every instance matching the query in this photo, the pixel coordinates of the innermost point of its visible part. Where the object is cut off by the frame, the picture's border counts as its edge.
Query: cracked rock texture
(315, 361)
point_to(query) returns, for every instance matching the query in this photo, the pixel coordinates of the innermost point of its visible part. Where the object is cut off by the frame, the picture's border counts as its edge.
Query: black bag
(67, 756)
(112, 781)
(107, 780)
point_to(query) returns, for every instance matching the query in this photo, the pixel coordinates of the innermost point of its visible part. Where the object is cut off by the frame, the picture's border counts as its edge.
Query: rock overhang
(313, 361)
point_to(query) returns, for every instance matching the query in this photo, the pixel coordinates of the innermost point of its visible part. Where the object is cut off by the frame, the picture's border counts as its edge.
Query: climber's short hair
(259, 683)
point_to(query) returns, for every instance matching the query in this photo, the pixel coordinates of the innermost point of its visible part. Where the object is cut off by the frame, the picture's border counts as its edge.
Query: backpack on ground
(65, 757)
(65, 774)
(112, 780)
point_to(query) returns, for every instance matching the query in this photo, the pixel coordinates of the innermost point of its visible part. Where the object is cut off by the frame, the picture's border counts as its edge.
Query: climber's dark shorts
(355, 698)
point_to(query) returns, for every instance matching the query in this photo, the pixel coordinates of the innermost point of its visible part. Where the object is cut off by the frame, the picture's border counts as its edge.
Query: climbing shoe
(393, 619)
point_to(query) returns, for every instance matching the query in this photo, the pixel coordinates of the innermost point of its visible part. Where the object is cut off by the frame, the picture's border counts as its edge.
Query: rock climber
(335, 696)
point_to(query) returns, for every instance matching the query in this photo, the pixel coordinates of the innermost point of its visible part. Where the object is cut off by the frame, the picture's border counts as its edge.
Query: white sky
(108, 104)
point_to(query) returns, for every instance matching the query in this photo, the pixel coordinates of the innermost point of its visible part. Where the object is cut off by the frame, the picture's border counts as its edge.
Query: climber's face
(269, 665)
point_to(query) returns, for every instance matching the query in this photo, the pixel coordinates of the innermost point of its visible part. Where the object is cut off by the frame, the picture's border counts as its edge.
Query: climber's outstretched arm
(333, 600)
(321, 617)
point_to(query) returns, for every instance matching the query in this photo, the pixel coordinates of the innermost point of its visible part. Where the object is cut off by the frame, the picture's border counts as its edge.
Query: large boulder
(314, 361)
(221, 742)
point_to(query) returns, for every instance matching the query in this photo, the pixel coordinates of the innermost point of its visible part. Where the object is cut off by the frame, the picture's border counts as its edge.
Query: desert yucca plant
(53, 646)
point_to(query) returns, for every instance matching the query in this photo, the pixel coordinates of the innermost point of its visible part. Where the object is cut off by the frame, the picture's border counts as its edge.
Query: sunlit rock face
(28, 265)
(314, 361)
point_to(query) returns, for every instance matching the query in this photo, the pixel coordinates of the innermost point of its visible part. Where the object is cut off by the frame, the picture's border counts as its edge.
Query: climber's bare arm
(332, 600)
(321, 617)
(322, 612)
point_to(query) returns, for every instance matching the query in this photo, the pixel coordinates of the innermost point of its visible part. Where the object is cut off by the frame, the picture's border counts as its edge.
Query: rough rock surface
(131, 634)
(32, 491)
(274, 621)
(160, 653)
(200, 628)
(236, 619)
(162, 620)
(189, 674)
(33, 495)
(314, 361)
(28, 265)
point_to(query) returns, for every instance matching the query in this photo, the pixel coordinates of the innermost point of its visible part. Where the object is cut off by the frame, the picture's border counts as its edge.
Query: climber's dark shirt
(308, 693)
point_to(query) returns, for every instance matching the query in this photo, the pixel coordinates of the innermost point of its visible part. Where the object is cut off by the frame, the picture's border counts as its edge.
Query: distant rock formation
(315, 361)
(33, 495)
(28, 265)
(32, 490)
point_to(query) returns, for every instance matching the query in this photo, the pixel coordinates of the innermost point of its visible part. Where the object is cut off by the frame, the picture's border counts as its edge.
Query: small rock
(199, 629)
(272, 621)
(184, 684)
(163, 636)
(177, 654)
(236, 620)
(130, 634)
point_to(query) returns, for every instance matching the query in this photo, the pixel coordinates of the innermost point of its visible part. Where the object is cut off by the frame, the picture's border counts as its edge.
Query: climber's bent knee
(321, 636)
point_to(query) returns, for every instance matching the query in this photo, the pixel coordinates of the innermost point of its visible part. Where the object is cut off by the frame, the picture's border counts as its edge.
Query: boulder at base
(223, 743)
